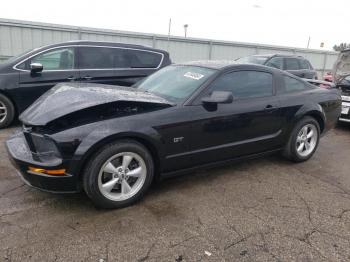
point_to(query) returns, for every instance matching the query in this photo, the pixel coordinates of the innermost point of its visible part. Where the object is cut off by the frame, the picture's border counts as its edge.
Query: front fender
(100, 137)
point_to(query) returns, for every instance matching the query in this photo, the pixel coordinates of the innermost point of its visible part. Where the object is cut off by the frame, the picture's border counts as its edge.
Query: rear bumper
(21, 157)
(345, 115)
(342, 119)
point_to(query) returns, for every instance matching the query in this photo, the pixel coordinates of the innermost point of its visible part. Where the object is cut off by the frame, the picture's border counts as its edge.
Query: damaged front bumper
(37, 170)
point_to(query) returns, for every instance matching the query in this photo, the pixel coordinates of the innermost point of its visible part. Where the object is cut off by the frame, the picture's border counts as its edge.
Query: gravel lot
(260, 210)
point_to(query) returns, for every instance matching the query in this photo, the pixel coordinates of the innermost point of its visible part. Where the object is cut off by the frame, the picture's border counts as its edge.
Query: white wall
(18, 36)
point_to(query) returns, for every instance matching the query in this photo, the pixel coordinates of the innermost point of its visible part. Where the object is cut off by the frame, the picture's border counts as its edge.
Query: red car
(328, 77)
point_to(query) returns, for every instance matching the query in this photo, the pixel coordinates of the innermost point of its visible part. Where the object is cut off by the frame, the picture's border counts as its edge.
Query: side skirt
(218, 163)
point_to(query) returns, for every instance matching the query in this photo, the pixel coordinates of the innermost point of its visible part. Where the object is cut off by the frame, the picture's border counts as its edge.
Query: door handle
(71, 78)
(87, 77)
(270, 107)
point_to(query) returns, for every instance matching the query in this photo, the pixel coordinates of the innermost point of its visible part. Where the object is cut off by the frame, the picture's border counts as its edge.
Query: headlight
(44, 145)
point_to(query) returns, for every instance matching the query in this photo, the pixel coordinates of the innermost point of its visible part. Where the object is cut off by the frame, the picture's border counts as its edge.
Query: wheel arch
(143, 140)
(312, 110)
(319, 118)
(4, 93)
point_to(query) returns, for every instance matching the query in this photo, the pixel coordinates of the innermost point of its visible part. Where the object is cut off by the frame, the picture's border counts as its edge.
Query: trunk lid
(341, 67)
(341, 72)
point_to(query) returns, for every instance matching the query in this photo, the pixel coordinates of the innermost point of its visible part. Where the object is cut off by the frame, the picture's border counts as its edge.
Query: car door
(59, 65)
(305, 69)
(250, 124)
(113, 65)
(291, 65)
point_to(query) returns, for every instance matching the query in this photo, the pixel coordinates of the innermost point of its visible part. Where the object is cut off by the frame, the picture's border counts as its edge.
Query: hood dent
(64, 99)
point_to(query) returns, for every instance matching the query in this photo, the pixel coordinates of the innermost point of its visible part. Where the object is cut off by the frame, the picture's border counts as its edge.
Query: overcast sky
(275, 22)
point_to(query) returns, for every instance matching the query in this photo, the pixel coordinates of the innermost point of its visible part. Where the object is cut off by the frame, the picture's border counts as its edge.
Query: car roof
(82, 42)
(90, 42)
(105, 43)
(279, 55)
(213, 64)
(222, 65)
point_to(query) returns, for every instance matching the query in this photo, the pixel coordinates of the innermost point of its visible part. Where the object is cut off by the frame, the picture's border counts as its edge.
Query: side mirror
(36, 67)
(218, 97)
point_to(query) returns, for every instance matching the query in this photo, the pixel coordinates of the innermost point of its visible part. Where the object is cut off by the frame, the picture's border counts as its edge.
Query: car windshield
(177, 82)
(253, 60)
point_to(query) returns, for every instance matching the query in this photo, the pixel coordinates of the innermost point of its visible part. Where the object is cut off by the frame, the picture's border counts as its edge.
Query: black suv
(26, 77)
(296, 65)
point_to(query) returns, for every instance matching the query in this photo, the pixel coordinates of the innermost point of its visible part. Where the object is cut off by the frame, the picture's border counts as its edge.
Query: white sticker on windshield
(195, 76)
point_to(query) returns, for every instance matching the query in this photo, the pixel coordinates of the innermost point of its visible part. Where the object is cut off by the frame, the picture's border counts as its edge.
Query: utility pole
(185, 27)
(308, 42)
(169, 30)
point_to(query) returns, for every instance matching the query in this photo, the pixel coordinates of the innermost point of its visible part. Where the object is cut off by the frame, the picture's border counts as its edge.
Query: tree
(341, 47)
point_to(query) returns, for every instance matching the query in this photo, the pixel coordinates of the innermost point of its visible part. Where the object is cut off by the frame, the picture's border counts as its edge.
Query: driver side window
(57, 59)
(244, 84)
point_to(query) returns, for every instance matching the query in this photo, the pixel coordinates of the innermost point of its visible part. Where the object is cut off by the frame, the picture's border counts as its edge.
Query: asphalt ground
(266, 209)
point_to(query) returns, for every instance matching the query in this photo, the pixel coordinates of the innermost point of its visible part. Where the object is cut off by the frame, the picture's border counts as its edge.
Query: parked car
(26, 77)
(321, 83)
(296, 65)
(328, 77)
(115, 141)
(341, 73)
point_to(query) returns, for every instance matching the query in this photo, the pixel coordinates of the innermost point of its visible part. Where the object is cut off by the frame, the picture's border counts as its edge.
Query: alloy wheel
(306, 140)
(122, 176)
(3, 112)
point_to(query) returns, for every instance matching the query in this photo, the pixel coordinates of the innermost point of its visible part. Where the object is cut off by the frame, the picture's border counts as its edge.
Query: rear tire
(119, 174)
(7, 111)
(303, 140)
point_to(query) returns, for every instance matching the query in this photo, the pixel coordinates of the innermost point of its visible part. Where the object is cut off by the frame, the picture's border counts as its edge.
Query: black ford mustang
(112, 142)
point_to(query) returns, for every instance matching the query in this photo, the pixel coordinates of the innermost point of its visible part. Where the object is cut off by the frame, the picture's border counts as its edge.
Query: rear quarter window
(144, 59)
(292, 85)
(304, 64)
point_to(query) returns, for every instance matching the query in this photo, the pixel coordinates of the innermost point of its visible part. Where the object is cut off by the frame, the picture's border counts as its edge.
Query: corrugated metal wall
(18, 36)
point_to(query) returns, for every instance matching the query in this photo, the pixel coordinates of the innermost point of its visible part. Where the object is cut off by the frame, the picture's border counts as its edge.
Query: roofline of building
(79, 30)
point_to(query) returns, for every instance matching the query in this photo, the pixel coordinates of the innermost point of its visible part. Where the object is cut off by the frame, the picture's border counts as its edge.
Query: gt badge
(178, 139)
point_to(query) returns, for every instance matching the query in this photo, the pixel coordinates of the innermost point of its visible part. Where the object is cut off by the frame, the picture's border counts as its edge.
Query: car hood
(64, 99)
(341, 67)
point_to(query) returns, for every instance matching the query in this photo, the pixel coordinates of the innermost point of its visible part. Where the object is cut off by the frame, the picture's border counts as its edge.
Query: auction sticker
(195, 76)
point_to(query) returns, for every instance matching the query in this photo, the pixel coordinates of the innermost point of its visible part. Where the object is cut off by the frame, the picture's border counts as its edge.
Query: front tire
(303, 140)
(7, 111)
(119, 174)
